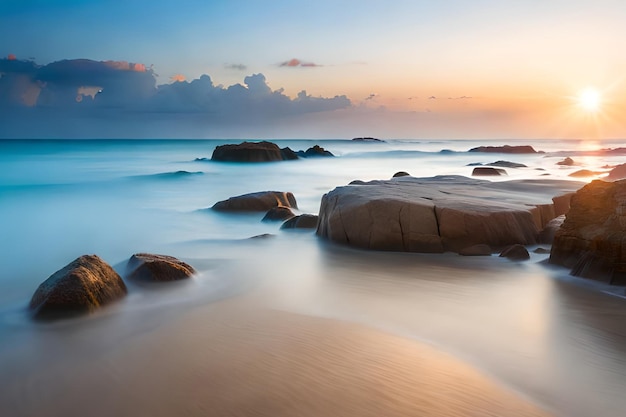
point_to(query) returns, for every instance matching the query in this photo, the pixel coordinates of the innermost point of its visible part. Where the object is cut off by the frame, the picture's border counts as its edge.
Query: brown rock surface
(446, 213)
(304, 221)
(488, 171)
(260, 201)
(515, 253)
(592, 239)
(252, 152)
(617, 173)
(278, 213)
(157, 268)
(81, 287)
(505, 149)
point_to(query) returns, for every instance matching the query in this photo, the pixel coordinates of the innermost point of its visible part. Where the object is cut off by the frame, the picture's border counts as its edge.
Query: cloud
(294, 62)
(372, 96)
(83, 98)
(238, 67)
(177, 78)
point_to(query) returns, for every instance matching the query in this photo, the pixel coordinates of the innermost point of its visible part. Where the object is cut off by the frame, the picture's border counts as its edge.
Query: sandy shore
(231, 359)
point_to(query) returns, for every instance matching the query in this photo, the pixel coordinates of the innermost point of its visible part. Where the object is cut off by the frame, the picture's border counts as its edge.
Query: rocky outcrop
(446, 213)
(549, 231)
(279, 213)
(149, 267)
(81, 287)
(592, 239)
(617, 173)
(488, 172)
(304, 221)
(504, 149)
(314, 151)
(252, 152)
(260, 201)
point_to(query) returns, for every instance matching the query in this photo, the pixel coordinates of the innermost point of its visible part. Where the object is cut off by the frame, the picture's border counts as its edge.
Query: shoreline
(236, 358)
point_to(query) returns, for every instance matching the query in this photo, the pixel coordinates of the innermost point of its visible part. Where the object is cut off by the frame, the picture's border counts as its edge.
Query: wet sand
(236, 359)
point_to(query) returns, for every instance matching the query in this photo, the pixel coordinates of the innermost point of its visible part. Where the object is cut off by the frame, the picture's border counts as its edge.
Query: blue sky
(514, 63)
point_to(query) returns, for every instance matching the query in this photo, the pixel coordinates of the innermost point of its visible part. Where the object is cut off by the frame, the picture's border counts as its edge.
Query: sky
(324, 69)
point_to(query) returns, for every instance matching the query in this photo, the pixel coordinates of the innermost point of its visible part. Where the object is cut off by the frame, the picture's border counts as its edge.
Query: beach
(290, 324)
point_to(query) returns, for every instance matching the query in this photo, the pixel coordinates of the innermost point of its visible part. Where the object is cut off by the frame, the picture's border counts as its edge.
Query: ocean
(556, 340)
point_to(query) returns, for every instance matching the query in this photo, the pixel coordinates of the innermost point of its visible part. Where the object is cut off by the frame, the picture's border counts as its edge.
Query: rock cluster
(88, 283)
(592, 239)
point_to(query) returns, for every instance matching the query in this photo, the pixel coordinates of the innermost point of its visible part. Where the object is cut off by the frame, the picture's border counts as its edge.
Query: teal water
(555, 339)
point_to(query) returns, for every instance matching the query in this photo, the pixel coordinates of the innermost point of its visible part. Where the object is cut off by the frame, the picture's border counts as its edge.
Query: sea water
(558, 340)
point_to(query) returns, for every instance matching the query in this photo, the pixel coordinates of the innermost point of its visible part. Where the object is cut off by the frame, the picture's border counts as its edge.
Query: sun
(590, 99)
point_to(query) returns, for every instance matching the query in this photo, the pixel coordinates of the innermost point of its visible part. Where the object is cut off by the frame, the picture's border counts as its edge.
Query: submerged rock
(252, 152)
(505, 149)
(583, 173)
(446, 213)
(81, 287)
(367, 139)
(592, 239)
(506, 164)
(157, 268)
(259, 201)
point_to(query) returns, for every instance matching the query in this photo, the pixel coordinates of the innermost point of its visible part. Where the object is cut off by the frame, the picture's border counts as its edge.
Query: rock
(592, 239)
(582, 173)
(401, 174)
(81, 287)
(314, 151)
(515, 253)
(506, 164)
(279, 213)
(542, 251)
(549, 231)
(487, 171)
(148, 267)
(304, 221)
(252, 152)
(260, 201)
(617, 173)
(505, 149)
(566, 162)
(445, 213)
(476, 250)
(367, 139)
(263, 236)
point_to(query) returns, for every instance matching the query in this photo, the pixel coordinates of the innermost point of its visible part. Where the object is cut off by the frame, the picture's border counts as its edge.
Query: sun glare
(589, 99)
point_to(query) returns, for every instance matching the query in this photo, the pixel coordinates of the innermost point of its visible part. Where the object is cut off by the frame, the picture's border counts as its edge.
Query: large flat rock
(444, 213)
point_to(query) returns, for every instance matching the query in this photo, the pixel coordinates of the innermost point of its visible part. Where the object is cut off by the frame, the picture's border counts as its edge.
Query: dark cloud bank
(115, 99)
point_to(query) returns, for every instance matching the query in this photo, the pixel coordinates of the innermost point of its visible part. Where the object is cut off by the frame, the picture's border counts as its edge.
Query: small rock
(279, 213)
(506, 164)
(584, 173)
(401, 174)
(487, 171)
(515, 253)
(566, 162)
(617, 173)
(260, 201)
(542, 251)
(157, 268)
(314, 151)
(304, 221)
